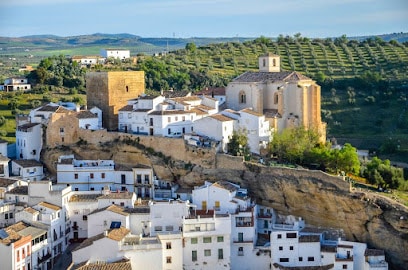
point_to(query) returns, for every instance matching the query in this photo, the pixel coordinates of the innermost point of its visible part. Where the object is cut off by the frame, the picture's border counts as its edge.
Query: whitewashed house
(80, 205)
(102, 247)
(167, 216)
(375, 259)
(88, 120)
(82, 175)
(253, 125)
(217, 127)
(169, 117)
(115, 53)
(215, 92)
(106, 218)
(16, 84)
(123, 199)
(27, 169)
(43, 113)
(29, 141)
(4, 166)
(88, 60)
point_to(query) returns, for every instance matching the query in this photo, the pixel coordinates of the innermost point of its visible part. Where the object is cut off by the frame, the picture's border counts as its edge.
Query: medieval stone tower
(111, 90)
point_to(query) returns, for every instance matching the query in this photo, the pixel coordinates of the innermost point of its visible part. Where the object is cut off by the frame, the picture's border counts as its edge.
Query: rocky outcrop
(321, 199)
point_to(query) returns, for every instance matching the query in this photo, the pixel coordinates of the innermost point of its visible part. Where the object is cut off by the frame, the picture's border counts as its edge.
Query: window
(240, 251)
(127, 88)
(217, 205)
(300, 259)
(183, 118)
(220, 238)
(11, 215)
(62, 130)
(310, 259)
(123, 188)
(84, 217)
(274, 62)
(6, 216)
(264, 62)
(242, 97)
(168, 245)
(92, 188)
(344, 266)
(276, 98)
(168, 259)
(291, 248)
(279, 236)
(220, 254)
(76, 189)
(76, 176)
(207, 240)
(169, 228)
(147, 178)
(158, 228)
(283, 259)
(176, 118)
(123, 178)
(103, 175)
(194, 241)
(291, 235)
(207, 252)
(122, 204)
(91, 176)
(129, 115)
(62, 139)
(18, 255)
(139, 178)
(169, 119)
(280, 248)
(194, 255)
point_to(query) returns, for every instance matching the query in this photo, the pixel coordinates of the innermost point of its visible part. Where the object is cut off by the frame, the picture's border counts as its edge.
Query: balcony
(44, 258)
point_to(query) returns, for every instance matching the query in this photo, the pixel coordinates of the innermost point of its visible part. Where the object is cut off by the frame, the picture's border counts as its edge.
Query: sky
(204, 18)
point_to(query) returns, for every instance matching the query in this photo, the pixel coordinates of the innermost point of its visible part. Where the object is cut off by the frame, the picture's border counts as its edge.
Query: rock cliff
(321, 199)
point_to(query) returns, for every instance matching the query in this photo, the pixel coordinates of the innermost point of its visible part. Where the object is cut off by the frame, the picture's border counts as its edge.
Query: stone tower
(111, 90)
(269, 63)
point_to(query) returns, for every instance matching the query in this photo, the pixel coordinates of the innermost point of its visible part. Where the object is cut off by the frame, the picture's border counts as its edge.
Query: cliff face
(322, 200)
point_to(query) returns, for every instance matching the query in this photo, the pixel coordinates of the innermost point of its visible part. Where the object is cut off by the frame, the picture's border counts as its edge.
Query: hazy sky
(203, 18)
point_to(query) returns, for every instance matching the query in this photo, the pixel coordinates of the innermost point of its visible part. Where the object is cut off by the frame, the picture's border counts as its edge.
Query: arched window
(242, 97)
(274, 62)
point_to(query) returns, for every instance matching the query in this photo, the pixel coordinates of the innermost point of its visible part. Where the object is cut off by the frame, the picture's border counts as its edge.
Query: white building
(88, 120)
(167, 216)
(29, 141)
(16, 84)
(88, 60)
(80, 204)
(106, 218)
(217, 127)
(91, 175)
(4, 166)
(115, 53)
(253, 125)
(215, 92)
(3, 148)
(169, 117)
(27, 169)
(207, 241)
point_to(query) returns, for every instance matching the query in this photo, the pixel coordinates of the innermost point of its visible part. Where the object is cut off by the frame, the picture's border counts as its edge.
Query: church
(286, 98)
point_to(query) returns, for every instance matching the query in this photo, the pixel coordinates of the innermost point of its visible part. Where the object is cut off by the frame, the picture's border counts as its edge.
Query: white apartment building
(115, 53)
(207, 241)
(83, 175)
(29, 141)
(27, 169)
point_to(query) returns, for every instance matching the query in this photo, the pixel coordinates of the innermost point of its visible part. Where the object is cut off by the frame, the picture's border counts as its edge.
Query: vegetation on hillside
(364, 84)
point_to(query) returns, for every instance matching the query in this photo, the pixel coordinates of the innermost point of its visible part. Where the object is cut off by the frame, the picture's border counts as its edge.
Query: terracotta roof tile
(50, 206)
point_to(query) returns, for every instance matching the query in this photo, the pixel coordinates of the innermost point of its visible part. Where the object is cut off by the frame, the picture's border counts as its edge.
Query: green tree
(238, 144)
(345, 159)
(191, 47)
(2, 120)
(382, 174)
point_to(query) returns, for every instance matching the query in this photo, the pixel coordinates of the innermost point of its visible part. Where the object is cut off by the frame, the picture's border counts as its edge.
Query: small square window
(207, 252)
(168, 259)
(291, 248)
(194, 241)
(168, 245)
(207, 240)
(220, 239)
(280, 248)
